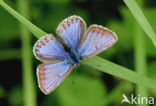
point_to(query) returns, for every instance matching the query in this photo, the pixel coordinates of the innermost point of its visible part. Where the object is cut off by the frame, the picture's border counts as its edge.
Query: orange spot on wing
(60, 31)
(76, 19)
(42, 42)
(46, 39)
(64, 26)
(41, 74)
(68, 23)
(107, 34)
(103, 32)
(41, 69)
(72, 20)
(99, 30)
(93, 29)
(38, 46)
(42, 79)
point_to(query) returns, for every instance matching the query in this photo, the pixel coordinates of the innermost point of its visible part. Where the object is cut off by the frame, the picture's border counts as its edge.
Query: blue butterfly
(74, 43)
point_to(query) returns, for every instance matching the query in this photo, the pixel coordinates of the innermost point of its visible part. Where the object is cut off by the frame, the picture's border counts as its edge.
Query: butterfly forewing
(72, 31)
(97, 40)
(48, 49)
(51, 75)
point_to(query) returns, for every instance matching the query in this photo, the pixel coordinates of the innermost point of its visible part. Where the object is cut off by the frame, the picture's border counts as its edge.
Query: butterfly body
(73, 43)
(72, 54)
(73, 57)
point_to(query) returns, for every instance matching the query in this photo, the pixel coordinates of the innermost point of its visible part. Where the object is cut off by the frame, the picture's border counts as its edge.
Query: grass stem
(29, 91)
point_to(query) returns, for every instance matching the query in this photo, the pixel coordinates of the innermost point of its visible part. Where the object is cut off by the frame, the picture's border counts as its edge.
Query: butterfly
(74, 43)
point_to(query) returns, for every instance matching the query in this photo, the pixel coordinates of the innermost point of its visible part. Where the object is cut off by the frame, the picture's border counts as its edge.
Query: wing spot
(76, 19)
(51, 37)
(68, 23)
(59, 76)
(64, 26)
(38, 46)
(103, 32)
(42, 79)
(107, 34)
(42, 42)
(41, 69)
(99, 30)
(41, 74)
(60, 31)
(46, 39)
(72, 20)
(36, 50)
(93, 29)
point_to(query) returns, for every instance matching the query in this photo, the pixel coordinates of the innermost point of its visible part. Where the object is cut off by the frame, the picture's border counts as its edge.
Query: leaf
(29, 91)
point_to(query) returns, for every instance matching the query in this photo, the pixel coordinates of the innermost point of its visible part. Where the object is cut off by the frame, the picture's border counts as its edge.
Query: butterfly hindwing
(97, 40)
(48, 49)
(72, 31)
(51, 75)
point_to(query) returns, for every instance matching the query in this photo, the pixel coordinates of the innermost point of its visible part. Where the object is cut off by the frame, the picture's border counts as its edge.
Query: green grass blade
(29, 91)
(35, 30)
(140, 57)
(140, 60)
(138, 14)
(119, 71)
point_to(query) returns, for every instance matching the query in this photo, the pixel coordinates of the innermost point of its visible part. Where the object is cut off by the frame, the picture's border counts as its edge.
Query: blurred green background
(92, 87)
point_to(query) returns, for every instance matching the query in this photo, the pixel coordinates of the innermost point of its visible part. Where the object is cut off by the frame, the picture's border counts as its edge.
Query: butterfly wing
(72, 31)
(48, 49)
(51, 75)
(97, 40)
